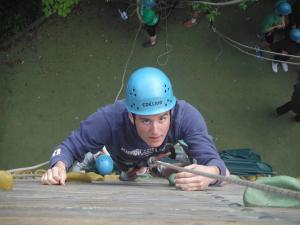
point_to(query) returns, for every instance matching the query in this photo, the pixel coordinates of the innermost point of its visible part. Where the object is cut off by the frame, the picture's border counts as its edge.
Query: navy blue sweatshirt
(110, 126)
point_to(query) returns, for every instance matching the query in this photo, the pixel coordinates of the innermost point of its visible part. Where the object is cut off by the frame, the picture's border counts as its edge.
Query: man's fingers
(192, 166)
(185, 175)
(191, 186)
(188, 179)
(44, 178)
(191, 183)
(56, 173)
(63, 177)
(51, 176)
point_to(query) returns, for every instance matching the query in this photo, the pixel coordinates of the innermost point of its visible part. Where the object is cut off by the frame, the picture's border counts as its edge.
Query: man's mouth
(155, 138)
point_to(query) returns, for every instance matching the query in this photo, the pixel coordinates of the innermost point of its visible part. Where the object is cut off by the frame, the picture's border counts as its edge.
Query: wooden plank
(147, 202)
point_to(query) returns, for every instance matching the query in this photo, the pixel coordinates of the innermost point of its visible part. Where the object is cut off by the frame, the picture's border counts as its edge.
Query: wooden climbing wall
(148, 202)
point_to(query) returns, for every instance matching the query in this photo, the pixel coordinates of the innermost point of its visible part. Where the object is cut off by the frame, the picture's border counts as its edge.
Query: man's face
(153, 129)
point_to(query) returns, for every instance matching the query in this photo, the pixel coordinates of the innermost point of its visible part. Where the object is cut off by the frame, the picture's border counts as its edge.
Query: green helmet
(149, 16)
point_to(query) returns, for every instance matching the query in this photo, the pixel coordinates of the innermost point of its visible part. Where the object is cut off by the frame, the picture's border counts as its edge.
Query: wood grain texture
(147, 202)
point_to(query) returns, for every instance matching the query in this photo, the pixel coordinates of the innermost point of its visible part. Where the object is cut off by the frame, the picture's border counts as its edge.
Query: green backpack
(245, 162)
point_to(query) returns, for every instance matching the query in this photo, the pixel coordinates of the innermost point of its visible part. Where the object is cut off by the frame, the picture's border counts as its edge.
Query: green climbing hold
(253, 197)
(171, 179)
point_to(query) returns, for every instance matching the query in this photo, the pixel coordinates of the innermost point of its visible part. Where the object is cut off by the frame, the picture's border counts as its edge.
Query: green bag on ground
(253, 197)
(245, 162)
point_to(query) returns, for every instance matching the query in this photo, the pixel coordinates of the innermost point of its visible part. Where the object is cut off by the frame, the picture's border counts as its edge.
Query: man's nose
(154, 127)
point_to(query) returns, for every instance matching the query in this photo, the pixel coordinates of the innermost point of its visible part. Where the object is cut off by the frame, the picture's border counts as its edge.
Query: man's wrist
(215, 171)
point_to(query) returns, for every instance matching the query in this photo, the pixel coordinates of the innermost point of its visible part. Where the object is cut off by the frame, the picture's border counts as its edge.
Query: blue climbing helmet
(283, 8)
(295, 34)
(149, 92)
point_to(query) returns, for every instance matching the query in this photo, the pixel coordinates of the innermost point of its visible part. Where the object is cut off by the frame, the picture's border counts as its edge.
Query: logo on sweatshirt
(56, 152)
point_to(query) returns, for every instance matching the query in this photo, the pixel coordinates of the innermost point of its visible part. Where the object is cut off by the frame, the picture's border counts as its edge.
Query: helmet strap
(132, 118)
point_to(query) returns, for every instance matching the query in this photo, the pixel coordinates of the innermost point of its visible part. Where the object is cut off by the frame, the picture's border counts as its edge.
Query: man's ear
(131, 118)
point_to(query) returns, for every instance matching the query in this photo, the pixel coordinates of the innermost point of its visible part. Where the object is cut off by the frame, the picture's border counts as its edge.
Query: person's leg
(88, 164)
(283, 64)
(280, 47)
(151, 30)
(275, 66)
(284, 108)
(285, 67)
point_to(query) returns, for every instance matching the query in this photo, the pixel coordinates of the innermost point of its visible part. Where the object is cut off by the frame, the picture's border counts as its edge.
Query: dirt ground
(68, 67)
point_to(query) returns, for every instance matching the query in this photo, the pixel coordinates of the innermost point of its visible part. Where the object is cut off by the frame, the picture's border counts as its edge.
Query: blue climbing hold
(104, 164)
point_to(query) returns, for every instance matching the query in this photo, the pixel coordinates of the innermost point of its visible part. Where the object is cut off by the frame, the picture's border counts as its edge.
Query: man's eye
(146, 121)
(163, 117)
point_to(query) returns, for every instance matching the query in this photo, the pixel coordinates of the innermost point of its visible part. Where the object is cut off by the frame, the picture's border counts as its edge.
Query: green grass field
(68, 67)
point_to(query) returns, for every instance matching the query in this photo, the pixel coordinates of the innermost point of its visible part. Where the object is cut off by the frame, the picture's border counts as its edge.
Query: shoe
(275, 67)
(297, 118)
(148, 44)
(190, 23)
(285, 67)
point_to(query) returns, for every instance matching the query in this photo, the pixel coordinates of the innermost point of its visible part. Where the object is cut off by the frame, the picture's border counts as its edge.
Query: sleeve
(91, 136)
(270, 21)
(266, 24)
(200, 143)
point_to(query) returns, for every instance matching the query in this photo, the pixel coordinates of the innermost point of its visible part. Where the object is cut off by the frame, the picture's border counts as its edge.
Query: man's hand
(193, 182)
(56, 175)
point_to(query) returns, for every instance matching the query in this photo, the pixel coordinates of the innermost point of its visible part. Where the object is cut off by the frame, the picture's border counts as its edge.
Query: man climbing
(139, 127)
